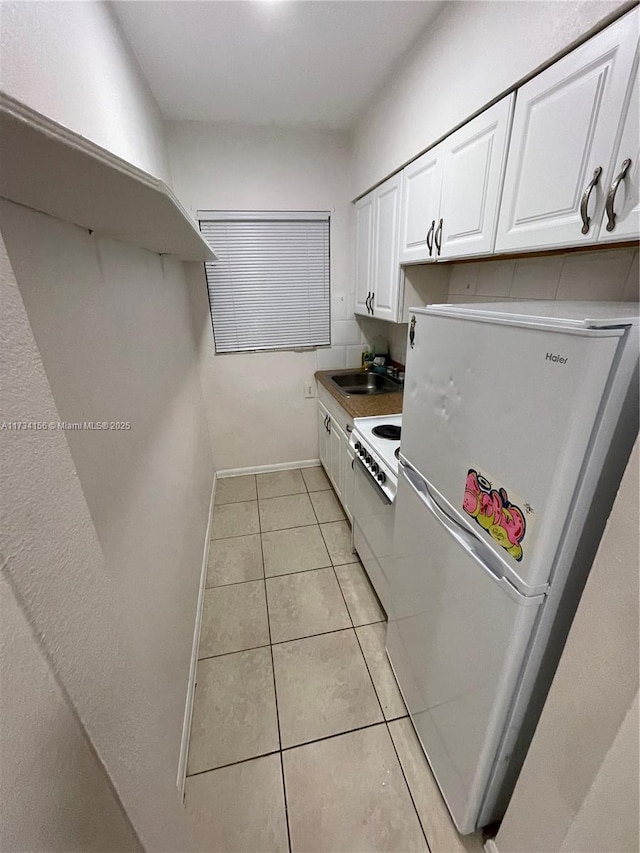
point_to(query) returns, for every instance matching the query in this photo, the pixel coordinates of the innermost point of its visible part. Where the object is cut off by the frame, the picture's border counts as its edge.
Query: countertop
(361, 405)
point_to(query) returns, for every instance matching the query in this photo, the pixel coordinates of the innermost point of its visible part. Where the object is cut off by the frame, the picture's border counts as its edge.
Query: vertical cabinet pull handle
(584, 201)
(611, 195)
(430, 236)
(412, 331)
(366, 302)
(437, 239)
(370, 303)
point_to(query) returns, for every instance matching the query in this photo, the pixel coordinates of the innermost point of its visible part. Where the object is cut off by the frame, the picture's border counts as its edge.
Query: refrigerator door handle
(470, 543)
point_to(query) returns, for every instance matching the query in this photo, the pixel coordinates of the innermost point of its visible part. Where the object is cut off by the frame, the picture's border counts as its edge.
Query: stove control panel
(377, 469)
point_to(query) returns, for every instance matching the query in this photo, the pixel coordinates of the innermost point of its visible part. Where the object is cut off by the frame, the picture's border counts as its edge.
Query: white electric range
(376, 443)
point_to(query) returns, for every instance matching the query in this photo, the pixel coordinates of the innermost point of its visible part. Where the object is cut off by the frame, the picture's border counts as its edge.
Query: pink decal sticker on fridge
(505, 517)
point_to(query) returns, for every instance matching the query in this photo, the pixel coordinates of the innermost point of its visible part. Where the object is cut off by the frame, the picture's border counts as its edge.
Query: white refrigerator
(518, 421)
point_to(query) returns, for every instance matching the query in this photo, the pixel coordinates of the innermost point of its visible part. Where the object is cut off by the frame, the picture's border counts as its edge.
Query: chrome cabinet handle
(373, 293)
(437, 239)
(412, 331)
(349, 428)
(326, 418)
(430, 235)
(611, 195)
(366, 302)
(584, 201)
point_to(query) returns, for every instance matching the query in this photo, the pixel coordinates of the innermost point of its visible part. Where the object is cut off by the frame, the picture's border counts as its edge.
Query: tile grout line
(323, 633)
(233, 763)
(360, 644)
(283, 575)
(331, 737)
(406, 781)
(293, 746)
(275, 695)
(295, 639)
(384, 719)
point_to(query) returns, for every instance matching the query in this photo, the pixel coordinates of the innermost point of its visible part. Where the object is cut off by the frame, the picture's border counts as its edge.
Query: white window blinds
(269, 288)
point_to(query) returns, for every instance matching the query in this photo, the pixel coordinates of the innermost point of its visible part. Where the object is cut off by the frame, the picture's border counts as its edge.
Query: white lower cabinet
(323, 437)
(348, 478)
(334, 451)
(338, 446)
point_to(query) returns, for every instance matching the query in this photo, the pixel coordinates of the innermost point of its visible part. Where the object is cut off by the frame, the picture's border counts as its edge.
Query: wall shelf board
(49, 168)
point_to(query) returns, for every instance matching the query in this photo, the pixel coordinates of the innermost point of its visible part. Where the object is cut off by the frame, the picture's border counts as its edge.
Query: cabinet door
(323, 438)
(338, 447)
(364, 253)
(564, 130)
(622, 212)
(421, 185)
(348, 475)
(473, 163)
(386, 265)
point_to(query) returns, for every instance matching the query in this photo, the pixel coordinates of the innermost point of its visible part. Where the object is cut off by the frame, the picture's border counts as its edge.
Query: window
(269, 288)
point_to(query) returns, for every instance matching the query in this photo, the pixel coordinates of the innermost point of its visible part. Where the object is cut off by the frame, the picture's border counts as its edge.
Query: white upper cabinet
(473, 167)
(622, 204)
(421, 186)
(377, 264)
(450, 195)
(560, 162)
(386, 267)
(364, 253)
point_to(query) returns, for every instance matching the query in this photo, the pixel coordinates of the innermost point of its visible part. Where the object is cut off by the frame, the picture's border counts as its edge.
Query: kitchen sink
(362, 382)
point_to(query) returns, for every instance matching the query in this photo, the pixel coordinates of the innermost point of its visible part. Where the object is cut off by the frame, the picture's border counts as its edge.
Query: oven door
(373, 521)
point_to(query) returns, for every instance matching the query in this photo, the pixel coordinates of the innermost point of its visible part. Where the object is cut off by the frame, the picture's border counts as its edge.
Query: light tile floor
(300, 739)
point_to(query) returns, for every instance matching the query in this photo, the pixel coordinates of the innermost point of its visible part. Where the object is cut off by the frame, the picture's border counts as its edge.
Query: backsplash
(609, 275)
(605, 275)
(347, 341)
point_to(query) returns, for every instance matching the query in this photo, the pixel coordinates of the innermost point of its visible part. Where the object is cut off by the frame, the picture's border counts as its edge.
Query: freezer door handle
(470, 543)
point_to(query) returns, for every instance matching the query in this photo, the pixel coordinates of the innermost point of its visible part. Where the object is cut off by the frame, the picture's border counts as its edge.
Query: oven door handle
(383, 496)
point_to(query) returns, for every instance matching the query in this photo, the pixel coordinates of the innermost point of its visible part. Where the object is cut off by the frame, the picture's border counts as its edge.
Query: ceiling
(261, 61)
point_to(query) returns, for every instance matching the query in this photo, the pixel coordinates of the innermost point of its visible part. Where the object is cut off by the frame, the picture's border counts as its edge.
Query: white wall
(469, 55)
(578, 790)
(74, 600)
(255, 402)
(43, 746)
(71, 62)
(113, 326)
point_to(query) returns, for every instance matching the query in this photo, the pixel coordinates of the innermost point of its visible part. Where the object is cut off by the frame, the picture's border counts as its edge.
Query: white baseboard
(490, 846)
(266, 469)
(191, 686)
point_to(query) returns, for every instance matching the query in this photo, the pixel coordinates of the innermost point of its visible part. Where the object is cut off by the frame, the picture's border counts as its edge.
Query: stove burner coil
(387, 431)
